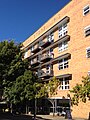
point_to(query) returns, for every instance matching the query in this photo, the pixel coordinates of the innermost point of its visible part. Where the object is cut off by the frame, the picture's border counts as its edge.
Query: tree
(23, 89)
(18, 83)
(48, 90)
(11, 64)
(81, 91)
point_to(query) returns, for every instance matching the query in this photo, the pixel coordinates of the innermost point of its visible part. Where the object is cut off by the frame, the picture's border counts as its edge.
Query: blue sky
(21, 18)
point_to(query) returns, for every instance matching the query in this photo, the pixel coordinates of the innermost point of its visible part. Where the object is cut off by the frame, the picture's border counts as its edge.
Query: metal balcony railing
(46, 74)
(46, 57)
(36, 49)
(35, 62)
(45, 43)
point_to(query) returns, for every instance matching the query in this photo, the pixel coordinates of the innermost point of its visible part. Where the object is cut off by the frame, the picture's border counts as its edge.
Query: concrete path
(8, 116)
(50, 117)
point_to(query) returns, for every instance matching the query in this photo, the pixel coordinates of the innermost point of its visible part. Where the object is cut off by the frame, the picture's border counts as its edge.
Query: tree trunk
(26, 109)
(35, 109)
(11, 108)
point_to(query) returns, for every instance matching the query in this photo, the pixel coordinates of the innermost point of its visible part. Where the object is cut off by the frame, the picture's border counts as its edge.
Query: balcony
(35, 63)
(45, 44)
(46, 57)
(36, 49)
(46, 74)
(53, 45)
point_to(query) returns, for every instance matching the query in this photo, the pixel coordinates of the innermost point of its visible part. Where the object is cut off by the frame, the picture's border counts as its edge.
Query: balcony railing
(45, 43)
(46, 74)
(47, 57)
(35, 62)
(65, 20)
(36, 49)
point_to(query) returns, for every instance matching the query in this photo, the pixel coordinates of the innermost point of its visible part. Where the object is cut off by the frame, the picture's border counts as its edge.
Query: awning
(59, 76)
(64, 76)
(61, 57)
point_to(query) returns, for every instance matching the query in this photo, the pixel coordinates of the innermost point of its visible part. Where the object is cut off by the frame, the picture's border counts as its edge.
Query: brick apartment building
(61, 48)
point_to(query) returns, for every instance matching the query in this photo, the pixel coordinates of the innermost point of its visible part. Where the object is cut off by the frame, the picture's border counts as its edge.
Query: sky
(21, 18)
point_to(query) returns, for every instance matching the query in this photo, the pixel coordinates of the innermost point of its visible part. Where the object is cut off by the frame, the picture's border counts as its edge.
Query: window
(88, 52)
(50, 37)
(50, 53)
(63, 46)
(48, 69)
(40, 43)
(32, 48)
(63, 30)
(64, 84)
(51, 50)
(87, 31)
(63, 63)
(26, 54)
(86, 10)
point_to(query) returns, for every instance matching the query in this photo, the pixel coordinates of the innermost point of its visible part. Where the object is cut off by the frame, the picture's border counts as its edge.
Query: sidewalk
(9, 116)
(50, 117)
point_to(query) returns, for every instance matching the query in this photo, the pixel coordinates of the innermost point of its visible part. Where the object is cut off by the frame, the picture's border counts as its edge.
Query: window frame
(62, 30)
(87, 10)
(31, 48)
(63, 64)
(63, 47)
(50, 37)
(86, 30)
(26, 54)
(63, 85)
(48, 68)
(88, 56)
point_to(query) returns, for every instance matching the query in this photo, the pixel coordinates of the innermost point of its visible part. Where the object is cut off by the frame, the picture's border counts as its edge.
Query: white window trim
(26, 54)
(86, 28)
(63, 30)
(32, 48)
(50, 37)
(86, 11)
(63, 64)
(50, 53)
(67, 85)
(63, 48)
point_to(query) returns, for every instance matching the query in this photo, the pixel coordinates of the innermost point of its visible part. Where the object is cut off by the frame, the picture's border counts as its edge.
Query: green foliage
(20, 84)
(81, 91)
(11, 65)
(48, 88)
(23, 88)
(52, 86)
(41, 90)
